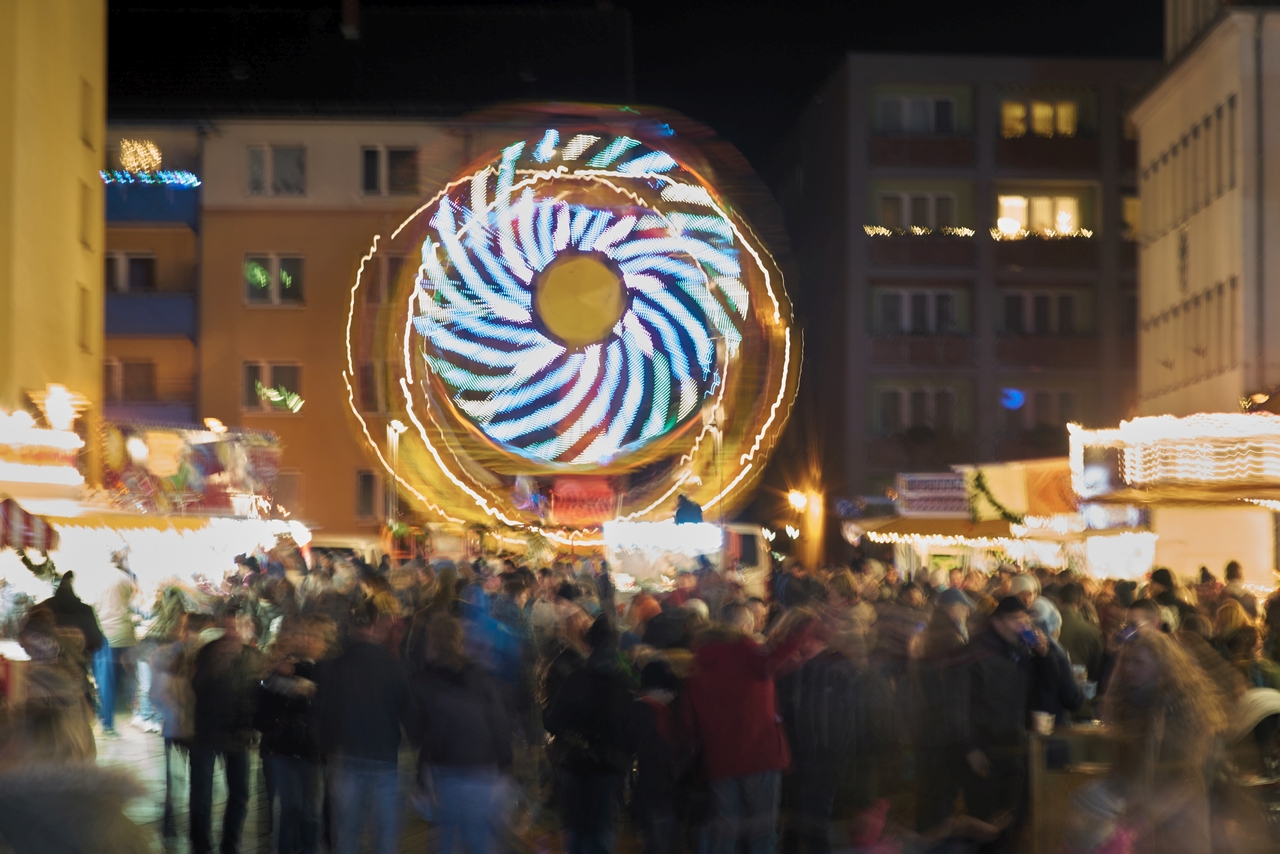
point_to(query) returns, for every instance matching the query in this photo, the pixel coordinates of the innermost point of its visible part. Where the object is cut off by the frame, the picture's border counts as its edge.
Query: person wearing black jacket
(589, 720)
(223, 682)
(362, 697)
(463, 729)
(69, 612)
(1002, 671)
(290, 745)
(661, 757)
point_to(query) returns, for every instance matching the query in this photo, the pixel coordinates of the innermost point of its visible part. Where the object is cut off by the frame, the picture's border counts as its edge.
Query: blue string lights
(181, 180)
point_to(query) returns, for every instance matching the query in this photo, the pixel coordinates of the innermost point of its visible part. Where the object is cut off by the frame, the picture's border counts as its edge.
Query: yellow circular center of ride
(579, 300)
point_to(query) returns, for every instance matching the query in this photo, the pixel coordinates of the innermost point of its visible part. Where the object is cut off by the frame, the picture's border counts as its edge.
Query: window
(133, 274)
(916, 407)
(87, 113)
(1040, 312)
(1131, 214)
(380, 276)
(917, 311)
(917, 115)
(86, 213)
(110, 380)
(85, 326)
(368, 495)
(1046, 118)
(273, 279)
(272, 386)
(922, 210)
(1231, 142)
(1217, 153)
(1043, 215)
(370, 389)
(1038, 408)
(288, 491)
(137, 381)
(277, 170)
(389, 171)
(890, 412)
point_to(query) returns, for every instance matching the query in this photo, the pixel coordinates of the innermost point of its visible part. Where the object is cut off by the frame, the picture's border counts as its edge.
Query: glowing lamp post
(394, 429)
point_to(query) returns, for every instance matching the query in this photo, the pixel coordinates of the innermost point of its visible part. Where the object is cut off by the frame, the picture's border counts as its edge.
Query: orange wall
(174, 248)
(318, 441)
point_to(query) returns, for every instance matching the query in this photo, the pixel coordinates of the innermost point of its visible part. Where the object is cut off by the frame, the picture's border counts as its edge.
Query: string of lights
(177, 180)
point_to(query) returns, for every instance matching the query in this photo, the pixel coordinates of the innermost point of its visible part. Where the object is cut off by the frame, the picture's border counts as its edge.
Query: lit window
(1013, 214)
(270, 386)
(273, 279)
(1042, 118)
(1044, 215)
(1013, 119)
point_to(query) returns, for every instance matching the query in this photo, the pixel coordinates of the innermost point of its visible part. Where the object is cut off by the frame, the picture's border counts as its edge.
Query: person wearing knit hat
(1163, 590)
(1026, 588)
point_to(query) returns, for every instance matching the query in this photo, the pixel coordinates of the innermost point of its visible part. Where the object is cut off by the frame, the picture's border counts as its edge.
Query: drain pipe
(1260, 259)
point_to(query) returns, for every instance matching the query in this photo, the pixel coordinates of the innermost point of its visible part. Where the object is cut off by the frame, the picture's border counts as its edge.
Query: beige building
(52, 113)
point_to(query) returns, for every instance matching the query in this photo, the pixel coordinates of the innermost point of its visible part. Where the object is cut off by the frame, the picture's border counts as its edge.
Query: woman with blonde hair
(1172, 713)
(1231, 616)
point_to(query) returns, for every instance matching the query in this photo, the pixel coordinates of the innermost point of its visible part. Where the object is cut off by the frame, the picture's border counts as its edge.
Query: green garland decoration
(980, 487)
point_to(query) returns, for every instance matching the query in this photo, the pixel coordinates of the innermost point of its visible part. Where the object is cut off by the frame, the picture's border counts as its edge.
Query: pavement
(143, 754)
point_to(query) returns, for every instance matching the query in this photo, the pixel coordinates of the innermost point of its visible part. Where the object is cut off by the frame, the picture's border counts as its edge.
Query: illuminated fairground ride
(586, 331)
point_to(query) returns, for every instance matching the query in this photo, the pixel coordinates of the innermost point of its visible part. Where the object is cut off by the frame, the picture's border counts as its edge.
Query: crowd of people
(841, 705)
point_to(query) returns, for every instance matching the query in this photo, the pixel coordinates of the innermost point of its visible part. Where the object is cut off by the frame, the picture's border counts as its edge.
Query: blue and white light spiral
(676, 255)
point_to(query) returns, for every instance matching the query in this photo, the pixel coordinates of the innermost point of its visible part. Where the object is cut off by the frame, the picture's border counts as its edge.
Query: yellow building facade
(52, 119)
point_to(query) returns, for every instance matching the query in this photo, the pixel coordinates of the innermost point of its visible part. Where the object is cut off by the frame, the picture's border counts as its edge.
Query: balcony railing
(1066, 153)
(152, 203)
(942, 151)
(158, 314)
(1055, 252)
(926, 351)
(922, 251)
(1047, 351)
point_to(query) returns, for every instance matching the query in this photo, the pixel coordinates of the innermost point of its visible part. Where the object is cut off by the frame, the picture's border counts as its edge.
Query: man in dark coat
(224, 682)
(1002, 670)
(71, 613)
(1082, 640)
(590, 721)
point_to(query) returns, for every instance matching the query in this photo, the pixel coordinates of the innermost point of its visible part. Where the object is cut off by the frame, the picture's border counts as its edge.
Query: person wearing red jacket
(732, 713)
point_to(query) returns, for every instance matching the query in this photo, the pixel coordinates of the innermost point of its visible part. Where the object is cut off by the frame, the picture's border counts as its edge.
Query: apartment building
(1209, 274)
(965, 234)
(265, 176)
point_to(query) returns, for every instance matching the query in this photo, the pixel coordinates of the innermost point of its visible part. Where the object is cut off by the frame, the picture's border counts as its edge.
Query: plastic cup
(1043, 722)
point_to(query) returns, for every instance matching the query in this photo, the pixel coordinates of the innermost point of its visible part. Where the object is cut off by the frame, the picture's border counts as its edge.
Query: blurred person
(113, 664)
(1209, 588)
(461, 725)
(289, 743)
(1003, 670)
(732, 711)
(940, 759)
(660, 758)
(1163, 590)
(51, 720)
(172, 696)
(891, 583)
(1062, 695)
(1231, 615)
(224, 686)
(837, 714)
(1159, 693)
(1082, 640)
(362, 698)
(165, 628)
(69, 612)
(1235, 589)
(899, 625)
(1243, 647)
(590, 721)
(1025, 587)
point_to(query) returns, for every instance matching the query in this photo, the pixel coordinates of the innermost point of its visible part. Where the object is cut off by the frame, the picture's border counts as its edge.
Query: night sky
(747, 69)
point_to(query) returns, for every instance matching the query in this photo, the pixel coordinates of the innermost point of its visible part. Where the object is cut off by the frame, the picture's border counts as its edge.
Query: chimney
(350, 19)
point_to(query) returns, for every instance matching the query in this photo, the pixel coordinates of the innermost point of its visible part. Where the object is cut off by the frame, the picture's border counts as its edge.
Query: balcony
(1047, 351)
(150, 412)
(918, 451)
(940, 151)
(156, 314)
(1052, 253)
(1052, 153)
(926, 351)
(922, 251)
(149, 203)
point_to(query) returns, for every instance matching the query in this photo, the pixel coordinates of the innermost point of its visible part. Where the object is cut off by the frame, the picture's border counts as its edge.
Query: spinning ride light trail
(582, 302)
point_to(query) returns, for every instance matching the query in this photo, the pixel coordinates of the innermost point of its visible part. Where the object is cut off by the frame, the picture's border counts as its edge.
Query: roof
(170, 63)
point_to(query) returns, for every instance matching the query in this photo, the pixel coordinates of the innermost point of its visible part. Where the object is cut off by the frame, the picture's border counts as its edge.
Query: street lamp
(394, 429)
(798, 500)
